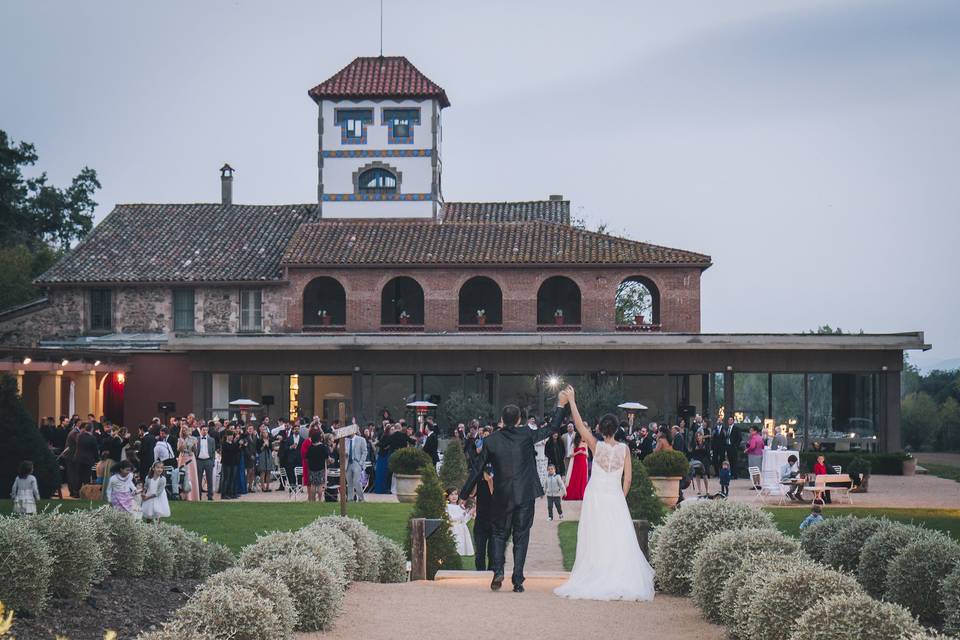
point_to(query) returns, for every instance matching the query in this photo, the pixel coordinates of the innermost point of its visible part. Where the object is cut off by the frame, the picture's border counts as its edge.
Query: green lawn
(948, 471)
(788, 521)
(236, 524)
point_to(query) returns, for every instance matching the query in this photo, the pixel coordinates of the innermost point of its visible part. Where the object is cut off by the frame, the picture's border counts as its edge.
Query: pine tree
(432, 504)
(20, 440)
(453, 471)
(642, 499)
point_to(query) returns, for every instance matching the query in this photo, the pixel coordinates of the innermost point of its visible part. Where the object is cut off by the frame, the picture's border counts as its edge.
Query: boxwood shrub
(128, 541)
(857, 615)
(317, 587)
(160, 556)
(741, 588)
(842, 551)
(73, 545)
(814, 539)
(26, 566)
(393, 561)
(365, 543)
(914, 576)
(667, 464)
(722, 553)
(409, 461)
(684, 531)
(950, 588)
(878, 550)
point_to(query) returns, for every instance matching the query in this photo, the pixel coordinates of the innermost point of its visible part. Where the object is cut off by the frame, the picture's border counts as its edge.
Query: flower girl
(155, 505)
(459, 517)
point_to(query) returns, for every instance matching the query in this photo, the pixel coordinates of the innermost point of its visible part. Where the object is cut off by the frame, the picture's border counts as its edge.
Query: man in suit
(289, 452)
(88, 452)
(431, 445)
(516, 485)
(718, 447)
(731, 441)
(646, 442)
(206, 459)
(356, 460)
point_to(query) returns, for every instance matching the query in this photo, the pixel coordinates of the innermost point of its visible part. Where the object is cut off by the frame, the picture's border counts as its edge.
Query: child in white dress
(25, 493)
(155, 504)
(459, 517)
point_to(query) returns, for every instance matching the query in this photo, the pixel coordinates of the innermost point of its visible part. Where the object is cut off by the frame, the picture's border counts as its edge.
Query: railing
(324, 328)
(476, 328)
(401, 328)
(559, 328)
(638, 327)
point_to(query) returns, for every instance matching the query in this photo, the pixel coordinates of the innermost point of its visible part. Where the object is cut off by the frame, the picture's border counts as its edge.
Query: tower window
(377, 180)
(400, 123)
(353, 124)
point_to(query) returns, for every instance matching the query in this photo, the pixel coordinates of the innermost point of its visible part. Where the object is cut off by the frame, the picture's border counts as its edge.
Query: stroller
(177, 481)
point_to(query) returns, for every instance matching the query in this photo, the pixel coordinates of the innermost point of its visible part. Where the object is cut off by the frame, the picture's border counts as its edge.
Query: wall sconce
(27, 360)
(64, 362)
(883, 368)
(729, 367)
(356, 368)
(96, 363)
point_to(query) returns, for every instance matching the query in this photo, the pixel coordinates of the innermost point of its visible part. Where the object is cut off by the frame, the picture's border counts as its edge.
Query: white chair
(837, 469)
(772, 487)
(755, 477)
(297, 484)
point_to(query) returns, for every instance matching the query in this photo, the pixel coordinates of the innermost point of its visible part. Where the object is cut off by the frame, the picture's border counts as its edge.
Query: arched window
(377, 180)
(558, 302)
(401, 302)
(638, 303)
(324, 303)
(480, 297)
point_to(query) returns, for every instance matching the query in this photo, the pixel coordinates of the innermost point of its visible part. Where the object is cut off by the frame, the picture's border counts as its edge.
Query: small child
(155, 504)
(816, 515)
(725, 478)
(120, 488)
(459, 517)
(25, 493)
(555, 490)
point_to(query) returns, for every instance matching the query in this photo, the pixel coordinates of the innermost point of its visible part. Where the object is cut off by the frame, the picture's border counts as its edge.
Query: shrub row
(63, 554)
(286, 582)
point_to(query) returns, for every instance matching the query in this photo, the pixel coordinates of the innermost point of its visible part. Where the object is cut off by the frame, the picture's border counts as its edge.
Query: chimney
(556, 197)
(226, 185)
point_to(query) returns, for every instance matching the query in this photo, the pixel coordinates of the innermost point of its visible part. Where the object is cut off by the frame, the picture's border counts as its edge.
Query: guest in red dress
(578, 474)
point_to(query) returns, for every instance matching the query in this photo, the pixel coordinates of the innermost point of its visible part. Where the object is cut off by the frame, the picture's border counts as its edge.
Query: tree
(463, 407)
(633, 299)
(642, 499)
(21, 440)
(919, 420)
(37, 216)
(949, 415)
(596, 399)
(453, 471)
(431, 503)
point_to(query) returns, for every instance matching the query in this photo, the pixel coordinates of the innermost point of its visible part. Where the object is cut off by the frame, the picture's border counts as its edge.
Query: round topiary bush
(843, 616)
(280, 543)
(221, 557)
(842, 551)
(684, 531)
(741, 588)
(914, 576)
(128, 542)
(160, 556)
(393, 561)
(191, 555)
(722, 553)
(878, 550)
(667, 464)
(950, 589)
(337, 544)
(365, 543)
(814, 539)
(317, 585)
(26, 565)
(238, 605)
(642, 500)
(794, 590)
(77, 558)
(409, 461)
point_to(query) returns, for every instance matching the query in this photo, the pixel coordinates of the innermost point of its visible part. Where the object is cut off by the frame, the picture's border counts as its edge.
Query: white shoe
(550, 518)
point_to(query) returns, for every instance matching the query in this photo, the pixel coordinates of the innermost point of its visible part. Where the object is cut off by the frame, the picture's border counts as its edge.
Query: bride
(609, 565)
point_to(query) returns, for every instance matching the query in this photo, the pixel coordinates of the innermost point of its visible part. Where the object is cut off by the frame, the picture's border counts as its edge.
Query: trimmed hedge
(842, 551)
(846, 616)
(815, 538)
(365, 543)
(160, 556)
(914, 577)
(950, 588)
(740, 588)
(26, 566)
(393, 561)
(880, 549)
(191, 556)
(267, 548)
(686, 529)
(128, 541)
(722, 553)
(881, 464)
(336, 542)
(317, 588)
(73, 545)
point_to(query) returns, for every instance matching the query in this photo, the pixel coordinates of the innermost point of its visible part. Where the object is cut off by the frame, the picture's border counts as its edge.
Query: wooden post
(418, 549)
(343, 465)
(642, 529)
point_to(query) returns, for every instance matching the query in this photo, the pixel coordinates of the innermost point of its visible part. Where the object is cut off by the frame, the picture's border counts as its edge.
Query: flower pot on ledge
(481, 320)
(403, 320)
(558, 319)
(327, 320)
(667, 488)
(638, 319)
(407, 487)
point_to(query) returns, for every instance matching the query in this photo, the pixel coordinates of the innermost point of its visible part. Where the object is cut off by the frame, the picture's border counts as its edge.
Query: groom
(516, 485)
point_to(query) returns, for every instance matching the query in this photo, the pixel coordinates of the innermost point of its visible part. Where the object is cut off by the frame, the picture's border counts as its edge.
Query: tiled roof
(425, 242)
(379, 77)
(547, 210)
(183, 243)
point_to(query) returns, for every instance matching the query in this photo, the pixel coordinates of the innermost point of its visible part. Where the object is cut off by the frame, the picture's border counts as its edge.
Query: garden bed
(125, 605)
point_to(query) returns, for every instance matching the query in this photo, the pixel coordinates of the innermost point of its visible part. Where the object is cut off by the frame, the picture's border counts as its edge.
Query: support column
(85, 397)
(889, 431)
(19, 377)
(728, 396)
(50, 397)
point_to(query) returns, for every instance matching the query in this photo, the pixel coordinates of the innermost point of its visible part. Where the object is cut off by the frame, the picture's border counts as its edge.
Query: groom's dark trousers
(516, 486)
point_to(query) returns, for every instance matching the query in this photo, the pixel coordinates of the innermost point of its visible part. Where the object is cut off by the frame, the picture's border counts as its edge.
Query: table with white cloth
(773, 460)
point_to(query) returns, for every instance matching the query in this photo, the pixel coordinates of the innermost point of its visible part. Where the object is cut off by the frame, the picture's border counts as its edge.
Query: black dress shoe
(518, 588)
(496, 583)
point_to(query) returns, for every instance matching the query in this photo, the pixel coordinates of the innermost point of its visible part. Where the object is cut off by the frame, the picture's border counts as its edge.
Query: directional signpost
(341, 435)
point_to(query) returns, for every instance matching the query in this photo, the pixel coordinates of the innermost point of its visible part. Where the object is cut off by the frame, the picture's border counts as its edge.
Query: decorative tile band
(352, 197)
(378, 153)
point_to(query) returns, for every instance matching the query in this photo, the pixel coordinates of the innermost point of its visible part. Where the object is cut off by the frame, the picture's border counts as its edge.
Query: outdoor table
(774, 459)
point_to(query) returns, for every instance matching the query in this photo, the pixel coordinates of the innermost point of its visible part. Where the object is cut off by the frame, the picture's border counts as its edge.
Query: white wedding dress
(610, 564)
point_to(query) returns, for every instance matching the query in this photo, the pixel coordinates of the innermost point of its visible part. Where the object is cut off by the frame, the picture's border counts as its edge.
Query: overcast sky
(811, 148)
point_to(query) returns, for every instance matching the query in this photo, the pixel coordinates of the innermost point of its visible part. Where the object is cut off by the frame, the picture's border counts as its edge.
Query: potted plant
(909, 464)
(481, 317)
(558, 316)
(406, 465)
(324, 316)
(404, 317)
(860, 468)
(638, 319)
(667, 469)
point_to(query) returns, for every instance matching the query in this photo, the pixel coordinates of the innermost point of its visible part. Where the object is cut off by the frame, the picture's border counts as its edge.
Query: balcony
(559, 328)
(642, 328)
(479, 328)
(324, 328)
(401, 328)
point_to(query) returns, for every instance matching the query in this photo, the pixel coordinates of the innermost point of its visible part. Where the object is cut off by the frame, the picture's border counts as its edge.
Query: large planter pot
(481, 320)
(910, 467)
(327, 320)
(667, 488)
(558, 319)
(407, 487)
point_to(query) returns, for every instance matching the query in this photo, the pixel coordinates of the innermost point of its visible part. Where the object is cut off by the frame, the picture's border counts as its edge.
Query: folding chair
(755, 477)
(837, 469)
(298, 482)
(772, 487)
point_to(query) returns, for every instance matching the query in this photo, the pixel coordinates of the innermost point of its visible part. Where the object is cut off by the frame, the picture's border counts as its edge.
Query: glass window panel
(183, 309)
(787, 396)
(649, 391)
(101, 310)
(521, 390)
(392, 393)
(750, 395)
(250, 309)
(437, 389)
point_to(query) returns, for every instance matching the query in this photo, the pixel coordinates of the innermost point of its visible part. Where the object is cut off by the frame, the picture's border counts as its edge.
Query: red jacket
(819, 469)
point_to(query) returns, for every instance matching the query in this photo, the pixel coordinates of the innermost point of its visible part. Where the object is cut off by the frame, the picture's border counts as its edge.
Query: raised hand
(571, 394)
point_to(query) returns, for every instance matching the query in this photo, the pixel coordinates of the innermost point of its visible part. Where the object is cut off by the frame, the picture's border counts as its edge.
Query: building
(383, 291)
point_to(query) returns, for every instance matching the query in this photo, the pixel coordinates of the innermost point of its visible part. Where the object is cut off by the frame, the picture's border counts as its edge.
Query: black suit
(732, 443)
(88, 452)
(431, 446)
(717, 448)
(646, 445)
(516, 486)
(147, 443)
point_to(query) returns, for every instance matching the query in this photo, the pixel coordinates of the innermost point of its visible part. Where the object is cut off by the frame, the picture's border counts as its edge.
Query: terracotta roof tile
(183, 243)
(557, 211)
(379, 77)
(425, 242)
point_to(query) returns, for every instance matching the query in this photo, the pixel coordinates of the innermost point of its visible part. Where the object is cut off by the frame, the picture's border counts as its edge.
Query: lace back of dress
(610, 459)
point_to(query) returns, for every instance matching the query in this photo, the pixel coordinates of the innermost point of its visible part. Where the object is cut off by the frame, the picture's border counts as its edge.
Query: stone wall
(217, 310)
(142, 309)
(61, 317)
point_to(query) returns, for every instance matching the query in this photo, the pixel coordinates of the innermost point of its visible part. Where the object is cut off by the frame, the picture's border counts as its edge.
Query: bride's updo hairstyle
(609, 425)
